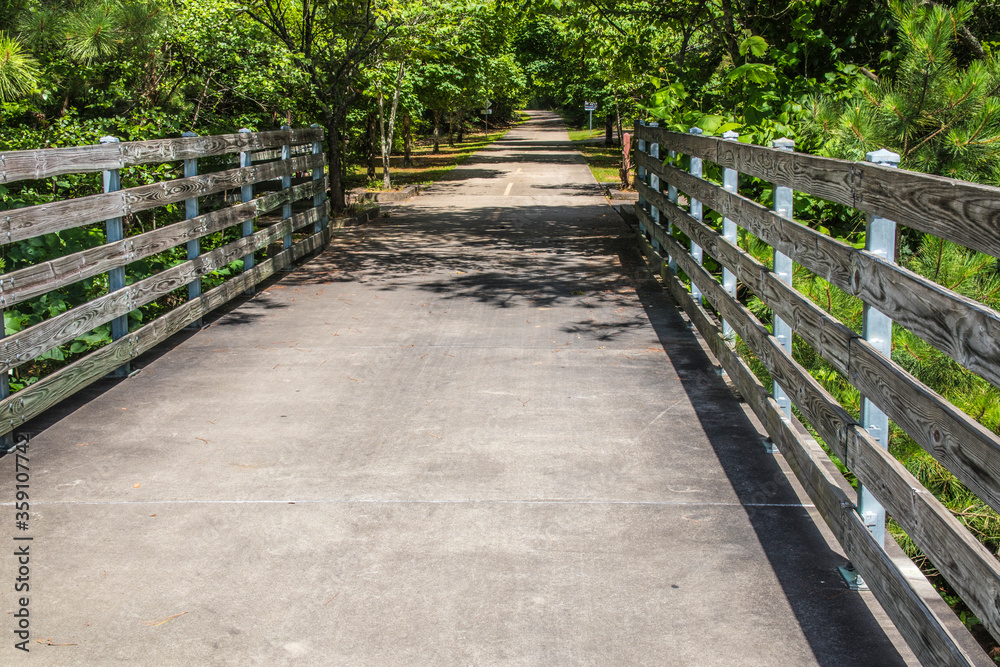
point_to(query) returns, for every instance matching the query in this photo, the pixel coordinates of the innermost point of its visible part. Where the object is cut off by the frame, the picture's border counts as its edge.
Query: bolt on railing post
(783, 268)
(246, 195)
(286, 182)
(116, 277)
(880, 240)
(319, 198)
(696, 213)
(193, 246)
(730, 182)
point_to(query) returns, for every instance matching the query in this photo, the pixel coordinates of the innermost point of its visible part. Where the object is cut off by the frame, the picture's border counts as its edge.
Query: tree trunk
(333, 163)
(437, 130)
(618, 119)
(451, 127)
(387, 135)
(609, 131)
(461, 124)
(407, 139)
(371, 146)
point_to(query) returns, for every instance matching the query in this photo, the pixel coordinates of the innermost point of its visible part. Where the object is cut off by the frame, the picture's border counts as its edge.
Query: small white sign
(590, 106)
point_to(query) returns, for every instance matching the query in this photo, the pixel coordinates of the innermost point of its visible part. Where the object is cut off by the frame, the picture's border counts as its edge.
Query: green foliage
(18, 70)
(940, 116)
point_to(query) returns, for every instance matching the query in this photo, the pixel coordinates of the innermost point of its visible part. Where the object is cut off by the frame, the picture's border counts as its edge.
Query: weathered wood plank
(47, 392)
(966, 213)
(826, 415)
(23, 223)
(32, 281)
(25, 345)
(963, 560)
(962, 445)
(46, 162)
(682, 142)
(962, 328)
(925, 632)
(966, 448)
(827, 335)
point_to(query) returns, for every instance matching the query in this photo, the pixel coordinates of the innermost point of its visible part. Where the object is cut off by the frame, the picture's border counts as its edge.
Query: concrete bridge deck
(462, 435)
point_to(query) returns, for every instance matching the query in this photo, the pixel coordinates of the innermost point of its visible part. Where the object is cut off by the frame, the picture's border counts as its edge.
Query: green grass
(428, 167)
(581, 135)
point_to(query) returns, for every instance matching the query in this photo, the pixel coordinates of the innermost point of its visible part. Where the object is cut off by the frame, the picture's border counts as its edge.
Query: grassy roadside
(604, 162)
(428, 166)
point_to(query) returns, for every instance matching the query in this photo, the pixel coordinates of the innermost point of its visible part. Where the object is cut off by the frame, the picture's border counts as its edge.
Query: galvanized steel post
(730, 182)
(318, 199)
(116, 277)
(193, 246)
(246, 195)
(783, 268)
(880, 240)
(672, 196)
(286, 182)
(696, 213)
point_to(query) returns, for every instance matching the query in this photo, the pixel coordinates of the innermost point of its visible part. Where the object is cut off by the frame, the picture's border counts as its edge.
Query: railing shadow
(549, 256)
(845, 633)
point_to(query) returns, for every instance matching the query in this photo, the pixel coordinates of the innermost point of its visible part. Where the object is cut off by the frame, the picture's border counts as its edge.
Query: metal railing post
(319, 198)
(193, 246)
(783, 268)
(880, 240)
(696, 213)
(246, 195)
(640, 173)
(286, 182)
(116, 277)
(654, 184)
(7, 440)
(672, 196)
(730, 183)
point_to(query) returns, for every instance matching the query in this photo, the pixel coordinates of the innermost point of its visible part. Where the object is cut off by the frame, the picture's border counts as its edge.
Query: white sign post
(591, 107)
(486, 116)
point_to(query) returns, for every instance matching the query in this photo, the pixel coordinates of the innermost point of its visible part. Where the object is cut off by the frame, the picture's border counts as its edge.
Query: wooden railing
(967, 331)
(292, 180)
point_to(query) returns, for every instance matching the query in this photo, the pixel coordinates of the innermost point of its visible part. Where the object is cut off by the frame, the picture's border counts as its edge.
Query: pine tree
(940, 117)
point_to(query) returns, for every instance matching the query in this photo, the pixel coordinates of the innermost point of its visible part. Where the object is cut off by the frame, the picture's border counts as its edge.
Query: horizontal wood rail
(26, 165)
(966, 330)
(287, 169)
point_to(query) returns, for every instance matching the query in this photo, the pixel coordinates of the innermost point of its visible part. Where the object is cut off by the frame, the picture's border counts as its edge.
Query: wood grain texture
(925, 633)
(25, 345)
(922, 629)
(24, 223)
(964, 562)
(966, 448)
(46, 162)
(32, 281)
(965, 213)
(956, 440)
(962, 328)
(828, 336)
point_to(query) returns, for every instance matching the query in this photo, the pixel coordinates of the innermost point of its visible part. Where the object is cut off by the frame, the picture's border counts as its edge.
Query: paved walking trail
(459, 436)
